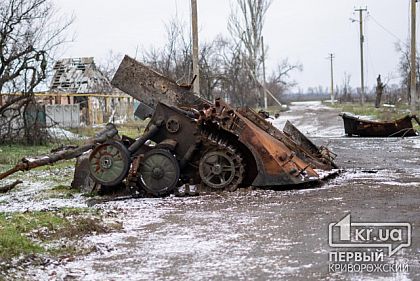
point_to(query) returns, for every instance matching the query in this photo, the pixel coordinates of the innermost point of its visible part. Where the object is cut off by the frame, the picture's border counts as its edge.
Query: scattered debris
(403, 127)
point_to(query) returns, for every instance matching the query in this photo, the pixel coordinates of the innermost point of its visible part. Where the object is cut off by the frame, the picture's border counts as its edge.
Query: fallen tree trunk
(9, 187)
(27, 164)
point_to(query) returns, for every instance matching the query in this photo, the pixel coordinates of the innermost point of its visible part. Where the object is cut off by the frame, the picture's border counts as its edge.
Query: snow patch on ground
(32, 194)
(309, 122)
(60, 133)
(303, 105)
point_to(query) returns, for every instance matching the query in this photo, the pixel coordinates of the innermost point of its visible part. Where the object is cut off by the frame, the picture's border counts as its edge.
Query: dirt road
(263, 234)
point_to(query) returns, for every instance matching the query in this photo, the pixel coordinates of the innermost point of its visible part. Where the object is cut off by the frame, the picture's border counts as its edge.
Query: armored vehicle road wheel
(159, 172)
(221, 168)
(109, 163)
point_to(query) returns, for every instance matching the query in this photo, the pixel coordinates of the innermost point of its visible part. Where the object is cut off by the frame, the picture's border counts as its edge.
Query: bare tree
(109, 65)
(234, 80)
(228, 68)
(211, 65)
(405, 68)
(174, 59)
(280, 80)
(346, 91)
(30, 33)
(246, 24)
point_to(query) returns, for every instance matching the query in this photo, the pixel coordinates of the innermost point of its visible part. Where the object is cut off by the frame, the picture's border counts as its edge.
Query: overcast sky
(303, 31)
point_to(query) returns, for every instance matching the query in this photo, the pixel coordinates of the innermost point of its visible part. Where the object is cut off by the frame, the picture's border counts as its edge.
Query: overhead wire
(392, 34)
(385, 29)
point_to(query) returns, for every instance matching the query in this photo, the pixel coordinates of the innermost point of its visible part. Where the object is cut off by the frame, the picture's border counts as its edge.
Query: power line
(413, 78)
(362, 39)
(385, 29)
(331, 58)
(194, 28)
(368, 57)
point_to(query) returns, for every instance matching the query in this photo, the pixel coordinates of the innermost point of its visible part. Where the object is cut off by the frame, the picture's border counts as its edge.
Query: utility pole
(331, 58)
(264, 81)
(413, 70)
(362, 40)
(194, 27)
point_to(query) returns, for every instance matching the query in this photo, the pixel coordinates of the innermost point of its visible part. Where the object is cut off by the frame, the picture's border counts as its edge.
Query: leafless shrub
(31, 31)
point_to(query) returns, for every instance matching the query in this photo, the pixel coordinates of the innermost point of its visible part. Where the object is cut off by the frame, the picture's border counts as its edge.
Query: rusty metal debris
(403, 127)
(191, 145)
(192, 142)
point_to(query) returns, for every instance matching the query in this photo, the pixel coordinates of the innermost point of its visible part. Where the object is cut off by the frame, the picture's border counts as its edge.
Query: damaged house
(79, 95)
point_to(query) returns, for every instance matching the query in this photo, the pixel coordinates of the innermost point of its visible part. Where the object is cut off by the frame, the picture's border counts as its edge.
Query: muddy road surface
(263, 234)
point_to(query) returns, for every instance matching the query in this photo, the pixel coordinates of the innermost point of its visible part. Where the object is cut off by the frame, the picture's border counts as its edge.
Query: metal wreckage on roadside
(403, 127)
(191, 145)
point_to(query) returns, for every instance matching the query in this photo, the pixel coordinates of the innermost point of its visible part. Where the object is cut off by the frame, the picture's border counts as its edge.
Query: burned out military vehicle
(191, 141)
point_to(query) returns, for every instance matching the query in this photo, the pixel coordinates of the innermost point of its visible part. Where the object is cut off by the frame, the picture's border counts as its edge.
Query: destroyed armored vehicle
(192, 142)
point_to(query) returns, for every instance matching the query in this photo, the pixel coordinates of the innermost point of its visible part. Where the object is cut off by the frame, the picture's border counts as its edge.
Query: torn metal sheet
(354, 125)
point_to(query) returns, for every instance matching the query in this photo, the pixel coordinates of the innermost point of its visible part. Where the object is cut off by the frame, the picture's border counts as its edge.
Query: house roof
(79, 75)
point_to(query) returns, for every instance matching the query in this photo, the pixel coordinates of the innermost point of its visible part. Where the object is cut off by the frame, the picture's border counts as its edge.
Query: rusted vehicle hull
(191, 142)
(199, 143)
(356, 126)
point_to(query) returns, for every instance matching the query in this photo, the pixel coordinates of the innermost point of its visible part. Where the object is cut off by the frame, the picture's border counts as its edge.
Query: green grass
(13, 227)
(131, 129)
(61, 191)
(382, 113)
(29, 233)
(13, 243)
(86, 131)
(9, 154)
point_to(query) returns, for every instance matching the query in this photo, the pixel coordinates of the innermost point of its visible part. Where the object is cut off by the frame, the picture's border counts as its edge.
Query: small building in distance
(78, 87)
(78, 75)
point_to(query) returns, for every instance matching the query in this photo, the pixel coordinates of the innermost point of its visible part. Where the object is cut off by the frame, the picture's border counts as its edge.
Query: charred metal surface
(191, 142)
(354, 125)
(143, 111)
(150, 87)
(277, 165)
(152, 130)
(184, 133)
(319, 158)
(299, 138)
